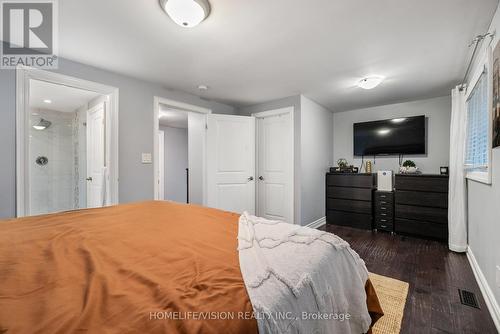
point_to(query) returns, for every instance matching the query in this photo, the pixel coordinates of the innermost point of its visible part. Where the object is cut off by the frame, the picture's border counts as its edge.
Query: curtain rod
(476, 41)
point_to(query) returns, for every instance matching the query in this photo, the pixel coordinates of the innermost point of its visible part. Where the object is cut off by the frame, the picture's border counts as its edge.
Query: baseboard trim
(488, 295)
(317, 223)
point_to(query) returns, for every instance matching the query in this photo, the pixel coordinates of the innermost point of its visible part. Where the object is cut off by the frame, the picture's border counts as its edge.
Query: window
(478, 134)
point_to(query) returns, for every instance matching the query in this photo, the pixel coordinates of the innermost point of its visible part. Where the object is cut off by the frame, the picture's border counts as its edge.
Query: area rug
(392, 295)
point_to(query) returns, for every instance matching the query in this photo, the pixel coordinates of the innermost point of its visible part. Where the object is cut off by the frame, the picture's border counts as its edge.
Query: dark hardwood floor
(434, 274)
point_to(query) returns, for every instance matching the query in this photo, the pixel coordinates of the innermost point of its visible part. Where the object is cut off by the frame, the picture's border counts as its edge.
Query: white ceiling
(173, 118)
(254, 51)
(64, 98)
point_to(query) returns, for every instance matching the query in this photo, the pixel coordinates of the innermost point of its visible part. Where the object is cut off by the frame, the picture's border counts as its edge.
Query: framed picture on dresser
(496, 97)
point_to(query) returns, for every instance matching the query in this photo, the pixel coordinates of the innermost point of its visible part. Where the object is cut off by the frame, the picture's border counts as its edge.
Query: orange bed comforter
(152, 267)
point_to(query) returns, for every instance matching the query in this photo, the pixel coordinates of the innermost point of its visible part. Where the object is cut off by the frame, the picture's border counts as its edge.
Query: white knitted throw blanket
(301, 280)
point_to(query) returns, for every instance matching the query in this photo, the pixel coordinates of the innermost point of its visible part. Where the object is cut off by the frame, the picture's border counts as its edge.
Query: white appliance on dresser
(384, 180)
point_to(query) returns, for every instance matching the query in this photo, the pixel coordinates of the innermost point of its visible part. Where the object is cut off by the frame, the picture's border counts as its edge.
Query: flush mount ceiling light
(370, 82)
(47, 101)
(186, 13)
(203, 88)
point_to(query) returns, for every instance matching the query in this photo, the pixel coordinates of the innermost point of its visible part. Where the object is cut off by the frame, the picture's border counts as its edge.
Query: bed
(149, 267)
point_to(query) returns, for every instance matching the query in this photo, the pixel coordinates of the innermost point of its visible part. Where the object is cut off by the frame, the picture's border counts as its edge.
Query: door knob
(89, 178)
(250, 178)
(261, 178)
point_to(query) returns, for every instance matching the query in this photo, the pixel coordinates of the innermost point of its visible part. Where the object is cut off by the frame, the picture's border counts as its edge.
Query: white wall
(317, 156)
(176, 162)
(437, 112)
(484, 214)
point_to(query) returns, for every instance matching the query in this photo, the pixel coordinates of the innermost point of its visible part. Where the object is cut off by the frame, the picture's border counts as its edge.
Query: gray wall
(437, 112)
(135, 129)
(316, 158)
(292, 101)
(176, 162)
(484, 212)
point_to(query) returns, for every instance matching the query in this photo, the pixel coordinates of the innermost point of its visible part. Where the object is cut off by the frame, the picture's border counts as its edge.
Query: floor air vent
(468, 298)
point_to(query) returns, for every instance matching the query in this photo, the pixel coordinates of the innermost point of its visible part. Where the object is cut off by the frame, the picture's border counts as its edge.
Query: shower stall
(57, 160)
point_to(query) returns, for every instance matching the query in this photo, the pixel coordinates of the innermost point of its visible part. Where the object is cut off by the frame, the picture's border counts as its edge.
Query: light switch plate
(147, 158)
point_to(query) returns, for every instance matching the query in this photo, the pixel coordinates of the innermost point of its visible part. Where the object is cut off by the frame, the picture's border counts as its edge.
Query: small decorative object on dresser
(343, 167)
(409, 167)
(444, 170)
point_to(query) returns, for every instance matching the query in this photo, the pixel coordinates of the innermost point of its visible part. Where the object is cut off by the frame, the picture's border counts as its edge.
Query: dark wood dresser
(349, 199)
(421, 205)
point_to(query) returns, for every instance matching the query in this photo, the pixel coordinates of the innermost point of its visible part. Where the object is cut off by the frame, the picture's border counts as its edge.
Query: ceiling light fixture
(47, 101)
(383, 132)
(186, 13)
(370, 82)
(203, 87)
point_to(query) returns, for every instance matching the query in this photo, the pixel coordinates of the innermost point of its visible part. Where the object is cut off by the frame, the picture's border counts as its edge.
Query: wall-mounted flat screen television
(405, 135)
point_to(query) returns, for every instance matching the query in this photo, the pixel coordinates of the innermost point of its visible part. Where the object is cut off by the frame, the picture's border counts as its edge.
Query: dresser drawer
(384, 220)
(422, 183)
(346, 180)
(356, 220)
(418, 198)
(384, 195)
(435, 215)
(384, 208)
(349, 193)
(384, 202)
(389, 227)
(420, 228)
(349, 205)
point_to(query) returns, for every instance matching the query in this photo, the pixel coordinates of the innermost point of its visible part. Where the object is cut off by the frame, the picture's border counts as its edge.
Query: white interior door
(96, 171)
(275, 166)
(161, 165)
(231, 163)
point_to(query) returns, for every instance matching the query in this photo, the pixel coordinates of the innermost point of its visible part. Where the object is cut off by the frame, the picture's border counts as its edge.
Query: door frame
(161, 165)
(272, 113)
(23, 76)
(157, 101)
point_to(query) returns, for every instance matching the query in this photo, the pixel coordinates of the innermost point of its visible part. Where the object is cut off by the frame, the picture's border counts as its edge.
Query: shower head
(42, 125)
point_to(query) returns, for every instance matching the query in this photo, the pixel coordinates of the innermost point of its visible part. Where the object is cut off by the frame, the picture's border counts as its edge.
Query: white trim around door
(156, 128)
(23, 76)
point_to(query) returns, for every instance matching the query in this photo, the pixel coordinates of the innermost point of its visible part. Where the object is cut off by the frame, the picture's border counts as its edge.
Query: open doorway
(179, 158)
(66, 145)
(173, 155)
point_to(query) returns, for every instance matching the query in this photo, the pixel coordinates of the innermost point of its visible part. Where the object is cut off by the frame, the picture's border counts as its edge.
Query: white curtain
(457, 200)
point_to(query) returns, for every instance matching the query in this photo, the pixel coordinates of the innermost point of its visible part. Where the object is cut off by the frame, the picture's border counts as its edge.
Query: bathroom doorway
(65, 157)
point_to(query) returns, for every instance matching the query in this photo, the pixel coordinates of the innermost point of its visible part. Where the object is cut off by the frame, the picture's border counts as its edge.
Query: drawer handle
(383, 226)
(383, 220)
(383, 214)
(383, 208)
(383, 196)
